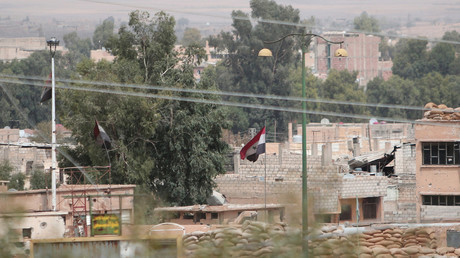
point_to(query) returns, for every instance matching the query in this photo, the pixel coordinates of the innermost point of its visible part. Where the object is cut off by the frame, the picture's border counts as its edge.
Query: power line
(221, 93)
(242, 105)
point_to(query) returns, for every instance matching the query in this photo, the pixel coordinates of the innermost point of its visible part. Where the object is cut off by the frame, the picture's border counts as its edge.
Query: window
(27, 232)
(441, 153)
(214, 215)
(441, 200)
(370, 207)
(346, 212)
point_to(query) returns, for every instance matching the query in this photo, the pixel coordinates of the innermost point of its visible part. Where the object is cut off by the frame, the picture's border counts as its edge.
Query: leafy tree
(452, 36)
(191, 36)
(150, 41)
(79, 49)
(411, 59)
(17, 182)
(39, 179)
(5, 170)
(246, 72)
(169, 147)
(397, 91)
(342, 85)
(366, 23)
(103, 33)
(442, 56)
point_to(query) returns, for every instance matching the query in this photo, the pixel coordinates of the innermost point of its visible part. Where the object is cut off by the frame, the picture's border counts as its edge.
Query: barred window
(441, 153)
(441, 200)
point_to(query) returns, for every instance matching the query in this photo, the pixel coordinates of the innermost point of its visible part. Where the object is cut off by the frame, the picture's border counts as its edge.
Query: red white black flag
(254, 147)
(102, 138)
(46, 93)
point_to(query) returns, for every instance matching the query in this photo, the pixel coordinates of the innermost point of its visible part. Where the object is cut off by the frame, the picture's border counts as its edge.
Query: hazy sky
(219, 10)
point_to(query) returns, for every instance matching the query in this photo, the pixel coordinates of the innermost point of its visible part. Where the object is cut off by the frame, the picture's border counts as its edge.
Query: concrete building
(29, 212)
(438, 170)
(336, 188)
(20, 48)
(363, 56)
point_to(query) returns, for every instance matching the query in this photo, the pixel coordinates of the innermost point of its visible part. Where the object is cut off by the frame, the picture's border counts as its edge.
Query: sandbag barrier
(257, 239)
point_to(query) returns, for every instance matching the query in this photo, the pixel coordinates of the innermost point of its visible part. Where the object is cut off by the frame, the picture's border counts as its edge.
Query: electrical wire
(212, 92)
(242, 105)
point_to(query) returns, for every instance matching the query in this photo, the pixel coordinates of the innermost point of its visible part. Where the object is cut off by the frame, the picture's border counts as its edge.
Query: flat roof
(220, 208)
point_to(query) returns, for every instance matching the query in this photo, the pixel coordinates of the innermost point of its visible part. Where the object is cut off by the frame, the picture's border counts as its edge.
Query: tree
(168, 147)
(5, 170)
(191, 36)
(411, 59)
(442, 55)
(103, 33)
(452, 36)
(342, 85)
(17, 182)
(39, 180)
(245, 72)
(366, 23)
(398, 91)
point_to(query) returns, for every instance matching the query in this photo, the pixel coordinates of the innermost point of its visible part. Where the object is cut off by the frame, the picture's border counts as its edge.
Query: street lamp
(53, 43)
(338, 53)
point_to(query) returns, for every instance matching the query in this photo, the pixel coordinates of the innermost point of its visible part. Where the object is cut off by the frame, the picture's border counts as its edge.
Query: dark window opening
(202, 215)
(441, 153)
(188, 215)
(370, 208)
(27, 232)
(346, 212)
(441, 200)
(214, 215)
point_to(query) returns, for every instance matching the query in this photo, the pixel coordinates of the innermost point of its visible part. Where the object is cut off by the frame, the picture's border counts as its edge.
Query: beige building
(75, 205)
(438, 170)
(349, 166)
(20, 48)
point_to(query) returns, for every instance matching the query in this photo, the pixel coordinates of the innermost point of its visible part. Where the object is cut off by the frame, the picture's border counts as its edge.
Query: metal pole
(304, 161)
(53, 135)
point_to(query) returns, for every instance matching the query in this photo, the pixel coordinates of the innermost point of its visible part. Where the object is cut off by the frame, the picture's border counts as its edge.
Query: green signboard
(105, 224)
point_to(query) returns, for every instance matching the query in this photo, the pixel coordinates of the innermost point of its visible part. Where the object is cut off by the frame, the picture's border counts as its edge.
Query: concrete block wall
(430, 213)
(403, 208)
(20, 156)
(364, 186)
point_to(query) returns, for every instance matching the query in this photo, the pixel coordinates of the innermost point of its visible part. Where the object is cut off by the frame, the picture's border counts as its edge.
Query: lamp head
(52, 42)
(341, 53)
(265, 52)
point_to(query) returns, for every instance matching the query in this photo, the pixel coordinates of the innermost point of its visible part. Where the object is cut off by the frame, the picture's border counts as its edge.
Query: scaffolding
(79, 180)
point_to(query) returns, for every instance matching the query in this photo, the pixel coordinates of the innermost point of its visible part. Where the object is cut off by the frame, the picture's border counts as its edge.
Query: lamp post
(53, 43)
(338, 53)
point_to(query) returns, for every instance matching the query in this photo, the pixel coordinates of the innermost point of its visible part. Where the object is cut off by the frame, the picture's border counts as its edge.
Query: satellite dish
(373, 121)
(325, 121)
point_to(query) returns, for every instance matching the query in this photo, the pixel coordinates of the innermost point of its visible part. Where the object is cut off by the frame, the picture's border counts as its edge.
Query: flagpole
(265, 174)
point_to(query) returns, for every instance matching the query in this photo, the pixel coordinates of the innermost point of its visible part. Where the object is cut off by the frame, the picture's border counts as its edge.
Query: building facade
(438, 170)
(363, 56)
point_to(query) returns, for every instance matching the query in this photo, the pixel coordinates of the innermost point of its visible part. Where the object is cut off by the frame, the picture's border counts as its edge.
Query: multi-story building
(363, 56)
(438, 170)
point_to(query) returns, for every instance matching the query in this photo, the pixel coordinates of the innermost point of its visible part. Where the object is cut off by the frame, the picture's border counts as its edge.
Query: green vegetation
(171, 148)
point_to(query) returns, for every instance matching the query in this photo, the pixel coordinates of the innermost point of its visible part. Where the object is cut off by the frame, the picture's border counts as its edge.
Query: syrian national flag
(254, 147)
(46, 94)
(102, 138)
